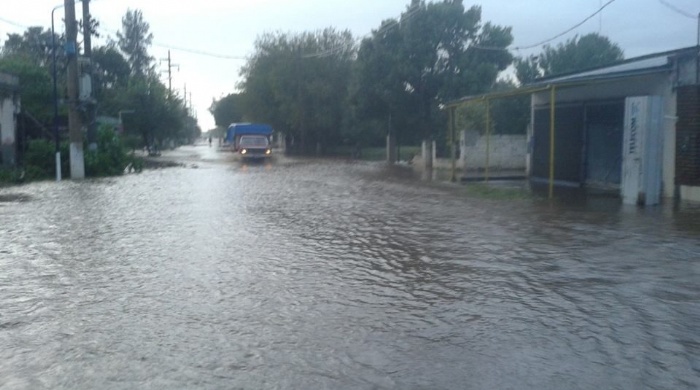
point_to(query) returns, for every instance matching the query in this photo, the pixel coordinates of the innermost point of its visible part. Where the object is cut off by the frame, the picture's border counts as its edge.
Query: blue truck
(250, 140)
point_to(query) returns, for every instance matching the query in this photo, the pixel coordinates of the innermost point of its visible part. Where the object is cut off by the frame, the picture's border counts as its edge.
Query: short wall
(505, 151)
(690, 194)
(7, 132)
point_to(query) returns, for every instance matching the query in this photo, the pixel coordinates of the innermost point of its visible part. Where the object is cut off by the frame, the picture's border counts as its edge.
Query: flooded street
(306, 274)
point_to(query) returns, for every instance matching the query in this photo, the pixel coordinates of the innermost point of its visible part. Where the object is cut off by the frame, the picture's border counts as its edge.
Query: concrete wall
(505, 151)
(7, 131)
(9, 108)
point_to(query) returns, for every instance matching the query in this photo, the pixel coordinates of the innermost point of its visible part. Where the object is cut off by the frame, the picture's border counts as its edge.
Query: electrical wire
(13, 23)
(198, 52)
(677, 10)
(494, 48)
(183, 49)
(544, 42)
(386, 27)
(568, 30)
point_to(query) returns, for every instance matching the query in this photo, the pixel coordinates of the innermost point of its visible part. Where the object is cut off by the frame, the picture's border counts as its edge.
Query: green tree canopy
(154, 116)
(134, 41)
(227, 110)
(435, 52)
(35, 44)
(36, 86)
(299, 83)
(576, 54)
(111, 68)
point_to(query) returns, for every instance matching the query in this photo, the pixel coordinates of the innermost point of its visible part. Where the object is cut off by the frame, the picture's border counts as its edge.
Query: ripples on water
(338, 275)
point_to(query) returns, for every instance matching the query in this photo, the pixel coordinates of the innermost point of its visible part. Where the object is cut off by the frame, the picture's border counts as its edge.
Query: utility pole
(87, 42)
(170, 74)
(77, 158)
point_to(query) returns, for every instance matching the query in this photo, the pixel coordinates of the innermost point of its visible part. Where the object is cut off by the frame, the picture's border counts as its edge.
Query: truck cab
(255, 138)
(254, 146)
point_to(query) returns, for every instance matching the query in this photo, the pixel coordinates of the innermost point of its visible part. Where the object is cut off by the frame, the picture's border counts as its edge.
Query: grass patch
(487, 191)
(406, 153)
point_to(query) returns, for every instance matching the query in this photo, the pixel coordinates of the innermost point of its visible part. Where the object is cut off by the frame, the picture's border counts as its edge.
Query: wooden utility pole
(170, 74)
(75, 125)
(89, 103)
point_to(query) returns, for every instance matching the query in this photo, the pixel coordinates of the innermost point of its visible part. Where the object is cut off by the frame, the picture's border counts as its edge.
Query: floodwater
(303, 274)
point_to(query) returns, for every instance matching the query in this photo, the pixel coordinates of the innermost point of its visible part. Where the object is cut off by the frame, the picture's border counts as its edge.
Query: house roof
(651, 63)
(648, 64)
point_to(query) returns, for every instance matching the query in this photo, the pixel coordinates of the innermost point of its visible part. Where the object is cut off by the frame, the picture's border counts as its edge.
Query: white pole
(58, 166)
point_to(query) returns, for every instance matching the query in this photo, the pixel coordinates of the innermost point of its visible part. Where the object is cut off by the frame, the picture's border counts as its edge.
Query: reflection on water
(339, 275)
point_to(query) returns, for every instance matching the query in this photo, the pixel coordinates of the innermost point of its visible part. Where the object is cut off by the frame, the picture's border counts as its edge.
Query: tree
(228, 109)
(36, 84)
(134, 40)
(111, 68)
(35, 45)
(30, 57)
(576, 54)
(435, 52)
(155, 116)
(299, 84)
(510, 115)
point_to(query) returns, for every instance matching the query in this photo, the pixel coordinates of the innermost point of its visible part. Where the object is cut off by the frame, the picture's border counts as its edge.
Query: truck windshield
(253, 141)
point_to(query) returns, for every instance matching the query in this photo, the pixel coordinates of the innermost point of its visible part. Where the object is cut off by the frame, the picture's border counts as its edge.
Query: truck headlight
(244, 151)
(268, 151)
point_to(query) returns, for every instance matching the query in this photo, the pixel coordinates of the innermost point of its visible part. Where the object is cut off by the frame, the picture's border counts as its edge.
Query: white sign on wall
(642, 151)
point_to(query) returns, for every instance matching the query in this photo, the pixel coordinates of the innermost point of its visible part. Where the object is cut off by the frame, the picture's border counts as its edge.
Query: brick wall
(688, 136)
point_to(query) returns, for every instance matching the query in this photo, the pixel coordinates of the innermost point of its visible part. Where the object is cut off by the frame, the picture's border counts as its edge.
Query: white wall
(7, 131)
(505, 151)
(9, 106)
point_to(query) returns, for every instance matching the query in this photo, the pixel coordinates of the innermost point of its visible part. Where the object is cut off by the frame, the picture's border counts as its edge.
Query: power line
(199, 52)
(677, 10)
(188, 50)
(394, 23)
(493, 48)
(568, 30)
(13, 23)
(517, 48)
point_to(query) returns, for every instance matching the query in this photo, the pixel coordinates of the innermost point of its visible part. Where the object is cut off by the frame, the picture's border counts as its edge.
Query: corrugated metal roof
(648, 64)
(629, 68)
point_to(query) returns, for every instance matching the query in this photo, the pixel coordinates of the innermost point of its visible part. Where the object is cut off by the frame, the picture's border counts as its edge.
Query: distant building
(9, 109)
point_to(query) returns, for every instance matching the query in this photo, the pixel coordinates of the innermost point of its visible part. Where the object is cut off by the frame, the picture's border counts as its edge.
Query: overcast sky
(228, 28)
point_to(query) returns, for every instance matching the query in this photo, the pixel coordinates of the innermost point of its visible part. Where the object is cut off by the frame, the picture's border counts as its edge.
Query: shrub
(11, 176)
(40, 159)
(110, 158)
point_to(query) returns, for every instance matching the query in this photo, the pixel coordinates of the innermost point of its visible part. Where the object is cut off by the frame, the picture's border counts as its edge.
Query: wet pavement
(333, 274)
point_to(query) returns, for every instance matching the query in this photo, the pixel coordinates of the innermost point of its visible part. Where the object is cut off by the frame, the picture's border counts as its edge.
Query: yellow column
(488, 137)
(453, 151)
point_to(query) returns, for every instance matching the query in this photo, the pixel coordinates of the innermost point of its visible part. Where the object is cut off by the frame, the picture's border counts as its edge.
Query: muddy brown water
(308, 274)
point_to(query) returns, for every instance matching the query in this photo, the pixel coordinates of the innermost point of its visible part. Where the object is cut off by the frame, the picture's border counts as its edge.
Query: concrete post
(75, 123)
(390, 149)
(427, 152)
(462, 163)
(281, 142)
